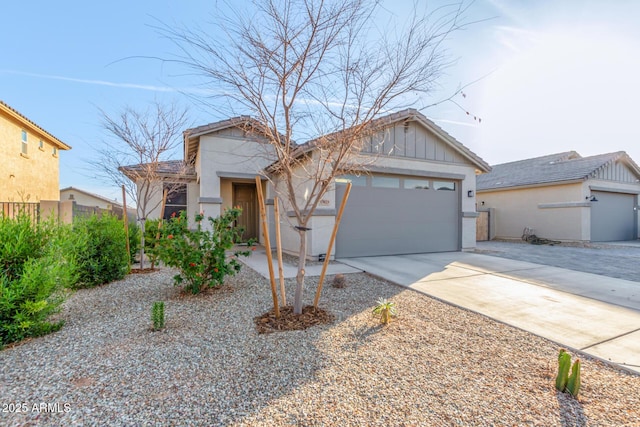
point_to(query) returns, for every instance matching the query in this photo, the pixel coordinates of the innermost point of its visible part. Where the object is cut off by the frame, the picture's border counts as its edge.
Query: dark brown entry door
(245, 197)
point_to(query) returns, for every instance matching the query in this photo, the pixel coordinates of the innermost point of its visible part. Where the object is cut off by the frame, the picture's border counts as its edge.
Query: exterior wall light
(470, 193)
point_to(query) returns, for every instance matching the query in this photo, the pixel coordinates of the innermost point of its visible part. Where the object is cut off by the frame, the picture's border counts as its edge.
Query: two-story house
(30, 164)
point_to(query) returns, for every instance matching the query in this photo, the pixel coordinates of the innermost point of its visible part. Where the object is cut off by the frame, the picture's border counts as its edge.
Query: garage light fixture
(591, 198)
(470, 193)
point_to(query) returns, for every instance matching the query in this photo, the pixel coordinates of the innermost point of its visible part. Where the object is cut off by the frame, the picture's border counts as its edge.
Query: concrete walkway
(258, 262)
(596, 314)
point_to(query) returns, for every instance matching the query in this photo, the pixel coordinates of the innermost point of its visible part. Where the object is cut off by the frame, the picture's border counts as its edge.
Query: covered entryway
(415, 216)
(245, 196)
(613, 217)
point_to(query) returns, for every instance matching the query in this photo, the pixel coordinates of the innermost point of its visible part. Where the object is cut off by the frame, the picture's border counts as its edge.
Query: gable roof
(192, 136)
(555, 168)
(97, 196)
(168, 168)
(408, 114)
(24, 121)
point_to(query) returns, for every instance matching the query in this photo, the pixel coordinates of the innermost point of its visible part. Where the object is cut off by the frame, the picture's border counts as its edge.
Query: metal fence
(14, 209)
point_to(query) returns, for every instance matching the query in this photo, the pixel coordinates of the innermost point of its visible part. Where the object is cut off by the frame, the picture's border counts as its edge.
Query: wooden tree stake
(125, 218)
(333, 238)
(276, 211)
(267, 244)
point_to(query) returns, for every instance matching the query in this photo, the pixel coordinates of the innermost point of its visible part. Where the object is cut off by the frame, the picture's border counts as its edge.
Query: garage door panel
(613, 217)
(385, 221)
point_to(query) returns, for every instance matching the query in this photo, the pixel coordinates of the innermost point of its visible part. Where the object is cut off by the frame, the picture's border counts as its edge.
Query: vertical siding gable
(617, 171)
(411, 140)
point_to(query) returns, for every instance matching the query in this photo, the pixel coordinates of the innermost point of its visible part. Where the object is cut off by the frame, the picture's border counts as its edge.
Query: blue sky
(554, 76)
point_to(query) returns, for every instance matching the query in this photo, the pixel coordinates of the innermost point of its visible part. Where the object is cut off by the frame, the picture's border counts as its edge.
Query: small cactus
(573, 383)
(157, 315)
(339, 281)
(564, 364)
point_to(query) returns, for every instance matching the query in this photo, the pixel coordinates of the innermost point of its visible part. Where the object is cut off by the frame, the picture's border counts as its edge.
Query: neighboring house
(29, 159)
(419, 196)
(87, 199)
(564, 197)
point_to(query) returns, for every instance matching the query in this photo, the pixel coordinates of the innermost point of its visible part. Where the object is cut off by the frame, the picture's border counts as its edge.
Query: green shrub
(20, 240)
(100, 250)
(201, 255)
(134, 241)
(36, 266)
(151, 240)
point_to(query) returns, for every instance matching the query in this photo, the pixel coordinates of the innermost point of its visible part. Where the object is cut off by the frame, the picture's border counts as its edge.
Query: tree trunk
(302, 259)
(142, 244)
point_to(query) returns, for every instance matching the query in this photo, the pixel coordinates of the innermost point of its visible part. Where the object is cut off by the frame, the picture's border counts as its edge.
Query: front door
(245, 197)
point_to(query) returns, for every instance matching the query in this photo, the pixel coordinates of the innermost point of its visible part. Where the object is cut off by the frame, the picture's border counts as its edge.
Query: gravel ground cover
(434, 365)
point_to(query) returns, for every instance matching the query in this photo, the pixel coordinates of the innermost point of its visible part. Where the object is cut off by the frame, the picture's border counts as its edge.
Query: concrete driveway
(596, 314)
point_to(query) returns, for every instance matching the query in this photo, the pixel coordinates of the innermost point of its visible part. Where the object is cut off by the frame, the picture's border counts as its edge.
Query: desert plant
(157, 315)
(339, 281)
(385, 310)
(564, 381)
(202, 256)
(573, 383)
(564, 364)
(100, 250)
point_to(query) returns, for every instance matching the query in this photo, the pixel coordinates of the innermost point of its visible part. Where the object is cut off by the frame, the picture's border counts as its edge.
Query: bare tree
(304, 68)
(137, 156)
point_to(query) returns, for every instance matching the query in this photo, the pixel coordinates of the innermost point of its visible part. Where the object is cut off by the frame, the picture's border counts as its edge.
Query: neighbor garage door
(613, 217)
(395, 215)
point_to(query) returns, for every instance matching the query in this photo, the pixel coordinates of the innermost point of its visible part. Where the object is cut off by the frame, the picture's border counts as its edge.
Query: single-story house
(563, 197)
(88, 199)
(415, 194)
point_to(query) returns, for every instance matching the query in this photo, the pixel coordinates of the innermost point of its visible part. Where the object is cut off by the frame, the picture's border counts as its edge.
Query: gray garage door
(393, 221)
(613, 217)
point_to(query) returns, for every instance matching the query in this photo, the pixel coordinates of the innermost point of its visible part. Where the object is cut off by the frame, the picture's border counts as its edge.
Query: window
(24, 142)
(41, 145)
(444, 185)
(176, 200)
(416, 184)
(54, 152)
(385, 182)
(355, 180)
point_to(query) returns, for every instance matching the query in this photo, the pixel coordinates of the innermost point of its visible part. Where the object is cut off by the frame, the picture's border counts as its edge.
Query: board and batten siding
(411, 140)
(616, 172)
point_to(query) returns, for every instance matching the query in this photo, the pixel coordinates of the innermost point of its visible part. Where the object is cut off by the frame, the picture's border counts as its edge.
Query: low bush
(100, 250)
(151, 240)
(36, 267)
(202, 257)
(134, 241)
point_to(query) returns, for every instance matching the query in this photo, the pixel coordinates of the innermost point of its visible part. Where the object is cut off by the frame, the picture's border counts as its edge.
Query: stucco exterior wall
(222, 155)
(31, 177)
(558, 212)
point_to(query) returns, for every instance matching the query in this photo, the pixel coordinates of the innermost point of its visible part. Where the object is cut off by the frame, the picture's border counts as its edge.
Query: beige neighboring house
(87, 199)
(29, 156)
(563, 197)
(417, 193)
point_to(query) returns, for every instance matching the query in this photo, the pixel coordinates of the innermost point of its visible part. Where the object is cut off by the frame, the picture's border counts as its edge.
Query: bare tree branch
(304, 68)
